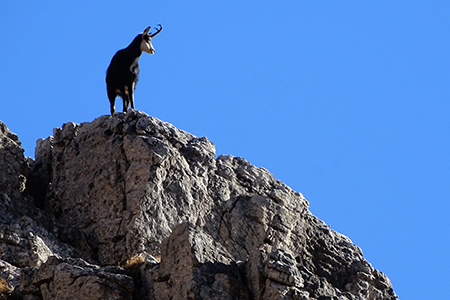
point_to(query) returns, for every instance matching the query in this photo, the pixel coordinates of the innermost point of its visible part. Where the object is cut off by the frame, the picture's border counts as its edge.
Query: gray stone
(75, 279)
(25, 239)
(9, 273)
(134, 191)
(13, 165)
(194, 266)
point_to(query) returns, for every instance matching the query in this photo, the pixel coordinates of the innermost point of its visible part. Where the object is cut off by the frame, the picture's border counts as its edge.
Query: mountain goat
(123, 71)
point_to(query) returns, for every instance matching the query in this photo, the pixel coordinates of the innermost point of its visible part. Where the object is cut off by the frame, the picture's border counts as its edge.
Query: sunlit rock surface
(130, 207)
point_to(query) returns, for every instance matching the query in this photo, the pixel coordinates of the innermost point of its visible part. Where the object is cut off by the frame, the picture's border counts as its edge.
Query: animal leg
(125, 98)
(112, 101)
(132, 95)
(132, 99)
(125, 104)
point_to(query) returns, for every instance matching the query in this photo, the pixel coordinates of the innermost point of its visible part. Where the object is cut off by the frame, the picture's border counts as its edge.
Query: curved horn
(146, 30)
(157, 31)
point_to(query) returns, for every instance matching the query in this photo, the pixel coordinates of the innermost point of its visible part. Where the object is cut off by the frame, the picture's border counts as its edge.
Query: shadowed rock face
(14, 167)
(127, 188)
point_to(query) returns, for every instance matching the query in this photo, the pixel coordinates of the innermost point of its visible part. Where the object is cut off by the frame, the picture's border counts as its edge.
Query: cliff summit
(130, 207)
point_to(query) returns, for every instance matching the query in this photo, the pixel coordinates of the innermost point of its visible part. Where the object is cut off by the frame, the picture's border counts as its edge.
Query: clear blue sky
(347, 102)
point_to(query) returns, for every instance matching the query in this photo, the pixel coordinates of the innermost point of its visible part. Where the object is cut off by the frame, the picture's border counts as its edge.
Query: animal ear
(146, 30)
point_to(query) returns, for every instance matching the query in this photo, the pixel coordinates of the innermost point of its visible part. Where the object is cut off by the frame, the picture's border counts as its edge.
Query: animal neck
(134, 49)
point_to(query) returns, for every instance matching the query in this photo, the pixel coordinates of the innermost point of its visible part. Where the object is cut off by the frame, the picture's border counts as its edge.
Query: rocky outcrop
(194, 266)
(75, 279)
(14, 167)
(128, 206)
(24, 240)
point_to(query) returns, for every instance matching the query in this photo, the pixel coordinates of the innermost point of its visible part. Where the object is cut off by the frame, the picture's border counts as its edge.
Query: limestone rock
(24, 243)
(194, 266)
(13, 166)
(75, 279)
(26, 238)
(134, 191)
(9, 273)
(120, 183)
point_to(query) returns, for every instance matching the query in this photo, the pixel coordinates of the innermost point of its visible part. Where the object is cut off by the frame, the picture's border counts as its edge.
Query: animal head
(146, 43)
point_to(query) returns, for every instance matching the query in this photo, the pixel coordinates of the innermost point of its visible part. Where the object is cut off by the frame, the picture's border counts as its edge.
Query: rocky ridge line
(130, 207)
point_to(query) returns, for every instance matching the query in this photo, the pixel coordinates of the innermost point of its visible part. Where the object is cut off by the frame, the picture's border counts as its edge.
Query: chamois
(123, 71)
